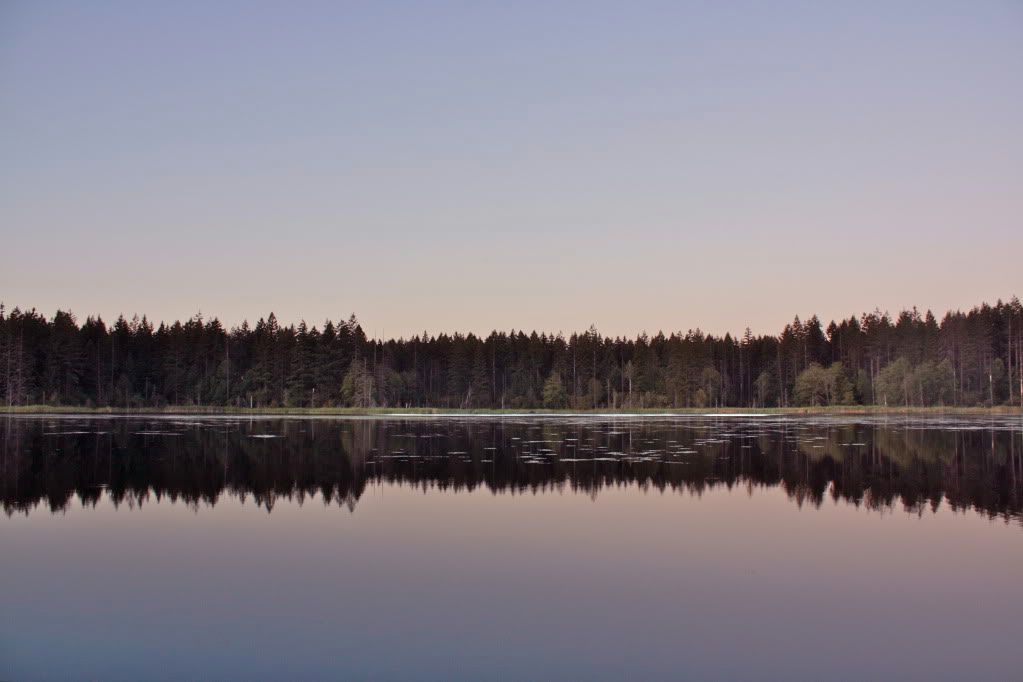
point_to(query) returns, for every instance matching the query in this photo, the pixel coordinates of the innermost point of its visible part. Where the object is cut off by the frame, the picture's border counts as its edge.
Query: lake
(519, 547)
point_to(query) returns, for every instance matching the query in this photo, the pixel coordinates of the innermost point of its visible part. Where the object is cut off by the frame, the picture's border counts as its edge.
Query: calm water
(513, 548)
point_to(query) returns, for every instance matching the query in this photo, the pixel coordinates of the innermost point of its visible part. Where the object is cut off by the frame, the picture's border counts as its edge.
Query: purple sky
(444, 166)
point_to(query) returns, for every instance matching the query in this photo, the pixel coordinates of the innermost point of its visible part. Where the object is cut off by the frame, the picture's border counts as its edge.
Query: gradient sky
(448, 165)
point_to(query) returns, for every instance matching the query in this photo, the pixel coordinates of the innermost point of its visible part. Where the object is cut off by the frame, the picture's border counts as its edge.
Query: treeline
(966, 359)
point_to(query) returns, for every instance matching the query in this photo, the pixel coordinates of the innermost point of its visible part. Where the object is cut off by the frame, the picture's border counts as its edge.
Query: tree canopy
(968, 358)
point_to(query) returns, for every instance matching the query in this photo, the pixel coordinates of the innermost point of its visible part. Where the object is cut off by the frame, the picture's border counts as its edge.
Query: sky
(469, 166)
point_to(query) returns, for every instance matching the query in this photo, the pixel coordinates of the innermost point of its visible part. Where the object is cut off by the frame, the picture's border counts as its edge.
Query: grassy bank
(351, 411)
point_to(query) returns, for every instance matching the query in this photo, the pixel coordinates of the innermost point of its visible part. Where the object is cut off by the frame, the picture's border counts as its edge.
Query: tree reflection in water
(880, 463)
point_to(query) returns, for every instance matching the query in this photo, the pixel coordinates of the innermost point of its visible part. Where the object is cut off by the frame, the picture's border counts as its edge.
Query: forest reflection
(881, 464)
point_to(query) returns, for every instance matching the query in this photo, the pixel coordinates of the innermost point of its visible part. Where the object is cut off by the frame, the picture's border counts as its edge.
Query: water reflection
(916, 464)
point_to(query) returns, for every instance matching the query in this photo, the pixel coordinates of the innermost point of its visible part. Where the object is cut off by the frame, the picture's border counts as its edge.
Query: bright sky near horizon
(470, 166)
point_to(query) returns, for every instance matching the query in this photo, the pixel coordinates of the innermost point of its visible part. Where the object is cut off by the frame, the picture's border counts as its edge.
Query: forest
(971, 358)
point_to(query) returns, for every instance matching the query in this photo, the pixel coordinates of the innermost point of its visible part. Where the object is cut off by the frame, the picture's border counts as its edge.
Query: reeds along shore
(399, 411)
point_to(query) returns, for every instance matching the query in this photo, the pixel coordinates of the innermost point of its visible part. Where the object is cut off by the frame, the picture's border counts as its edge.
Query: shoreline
(44, 410)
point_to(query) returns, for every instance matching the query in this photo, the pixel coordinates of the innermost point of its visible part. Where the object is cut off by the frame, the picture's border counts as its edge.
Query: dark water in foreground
(512, 548)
